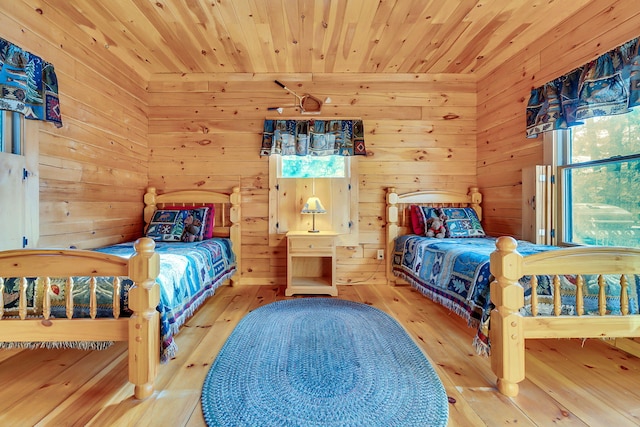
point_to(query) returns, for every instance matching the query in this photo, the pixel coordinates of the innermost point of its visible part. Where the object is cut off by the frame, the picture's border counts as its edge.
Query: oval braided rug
(322, 362)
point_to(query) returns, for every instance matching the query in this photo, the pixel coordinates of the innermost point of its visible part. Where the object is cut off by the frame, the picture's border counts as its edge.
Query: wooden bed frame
(399, 217)
(227, 211)
(142, 329)
(509, 328)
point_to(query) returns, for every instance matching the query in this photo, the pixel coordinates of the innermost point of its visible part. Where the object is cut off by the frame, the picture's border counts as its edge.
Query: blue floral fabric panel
(28, 84)
(313, 138)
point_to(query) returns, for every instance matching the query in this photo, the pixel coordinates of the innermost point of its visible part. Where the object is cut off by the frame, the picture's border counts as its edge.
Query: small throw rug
(322, 362)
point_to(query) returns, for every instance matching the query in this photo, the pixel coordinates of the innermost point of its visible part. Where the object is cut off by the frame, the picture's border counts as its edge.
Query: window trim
(11, 132)
(276, 233)
(557, 153)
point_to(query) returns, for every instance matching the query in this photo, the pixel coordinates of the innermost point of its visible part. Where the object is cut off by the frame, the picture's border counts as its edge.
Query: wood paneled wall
(92, 171)
(205, 132)
(503, 149)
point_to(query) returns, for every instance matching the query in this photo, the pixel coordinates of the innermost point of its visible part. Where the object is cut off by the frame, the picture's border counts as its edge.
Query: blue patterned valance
(606, 86)
(28, 85)
(313, 138)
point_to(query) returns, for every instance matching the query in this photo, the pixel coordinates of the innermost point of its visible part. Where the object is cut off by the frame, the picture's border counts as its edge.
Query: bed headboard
(398, 211)
(227, 211)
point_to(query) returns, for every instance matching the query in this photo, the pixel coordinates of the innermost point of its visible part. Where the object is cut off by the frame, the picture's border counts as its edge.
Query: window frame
(286, 196)
(557, 147)
(11, 132)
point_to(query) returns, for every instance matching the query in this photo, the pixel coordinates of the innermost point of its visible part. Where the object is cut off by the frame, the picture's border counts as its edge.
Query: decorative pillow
(461, 222)
(173, 225)
(417, 219)
(209, 222)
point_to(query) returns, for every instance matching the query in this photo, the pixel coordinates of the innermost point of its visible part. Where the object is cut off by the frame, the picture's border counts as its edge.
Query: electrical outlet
(380, 254)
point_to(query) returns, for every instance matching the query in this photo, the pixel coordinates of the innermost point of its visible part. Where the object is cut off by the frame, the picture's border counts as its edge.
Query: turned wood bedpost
(234, 233)
(476, 201)
(149, 205)
(392, 229)
(144, 323)
(507, 332)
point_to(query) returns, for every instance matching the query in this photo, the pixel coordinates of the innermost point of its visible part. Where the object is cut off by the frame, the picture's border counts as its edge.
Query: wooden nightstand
(311, 263)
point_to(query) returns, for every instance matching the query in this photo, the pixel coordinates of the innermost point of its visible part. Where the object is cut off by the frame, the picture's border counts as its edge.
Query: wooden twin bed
(552, 292)
(33, 324)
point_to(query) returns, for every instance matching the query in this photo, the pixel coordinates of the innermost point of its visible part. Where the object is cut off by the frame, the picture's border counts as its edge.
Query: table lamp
(313, 207)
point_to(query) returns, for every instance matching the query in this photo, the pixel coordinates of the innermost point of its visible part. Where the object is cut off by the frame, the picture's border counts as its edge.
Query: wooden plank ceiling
(314, 36)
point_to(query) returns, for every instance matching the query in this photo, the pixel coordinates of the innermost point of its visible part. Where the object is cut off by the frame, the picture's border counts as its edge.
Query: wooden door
(12, 198)
(19, 190)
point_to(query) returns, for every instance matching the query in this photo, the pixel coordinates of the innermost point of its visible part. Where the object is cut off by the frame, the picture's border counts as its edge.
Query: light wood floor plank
(5, 354)
(93, 395)
(403, 310)
(566, 385)
(69, 374)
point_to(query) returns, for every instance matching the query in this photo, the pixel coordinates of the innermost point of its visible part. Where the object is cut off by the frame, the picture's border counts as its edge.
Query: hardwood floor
(568, 382)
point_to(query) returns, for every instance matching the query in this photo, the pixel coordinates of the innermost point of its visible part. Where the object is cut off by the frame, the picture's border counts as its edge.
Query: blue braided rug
(322, 362)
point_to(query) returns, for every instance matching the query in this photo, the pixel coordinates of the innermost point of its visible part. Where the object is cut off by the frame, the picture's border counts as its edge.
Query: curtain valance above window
(28, 85)
(606, 86)
(313, 138)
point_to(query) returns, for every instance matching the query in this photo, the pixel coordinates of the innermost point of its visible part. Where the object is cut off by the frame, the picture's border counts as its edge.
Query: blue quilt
(455, 273)
(189, 274)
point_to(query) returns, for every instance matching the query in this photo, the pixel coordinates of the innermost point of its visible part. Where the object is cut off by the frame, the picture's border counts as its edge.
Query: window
(313, 167)
(599, 181)
(293, 179)
(11, 124)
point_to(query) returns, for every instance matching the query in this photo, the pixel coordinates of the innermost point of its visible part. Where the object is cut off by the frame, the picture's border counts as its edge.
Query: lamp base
(313, 225)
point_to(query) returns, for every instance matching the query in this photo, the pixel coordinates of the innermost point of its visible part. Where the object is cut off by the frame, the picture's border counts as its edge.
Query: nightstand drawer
(314, 244)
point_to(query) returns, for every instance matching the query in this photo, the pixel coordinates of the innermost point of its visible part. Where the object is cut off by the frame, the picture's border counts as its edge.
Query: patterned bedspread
(455, 273)
(189, 274)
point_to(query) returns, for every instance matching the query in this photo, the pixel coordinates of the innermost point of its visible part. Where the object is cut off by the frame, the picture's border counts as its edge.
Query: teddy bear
(436, 226)
(192, 227)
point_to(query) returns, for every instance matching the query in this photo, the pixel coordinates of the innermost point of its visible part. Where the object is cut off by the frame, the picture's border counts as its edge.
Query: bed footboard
(509, 328)
(141, 330)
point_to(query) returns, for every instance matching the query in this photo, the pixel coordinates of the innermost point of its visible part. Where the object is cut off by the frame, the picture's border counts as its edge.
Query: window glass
(11, 124)
(600, 183)
(605, 137)
(313, 167)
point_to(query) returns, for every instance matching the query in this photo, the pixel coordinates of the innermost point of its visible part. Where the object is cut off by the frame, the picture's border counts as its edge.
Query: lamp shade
(313, 206)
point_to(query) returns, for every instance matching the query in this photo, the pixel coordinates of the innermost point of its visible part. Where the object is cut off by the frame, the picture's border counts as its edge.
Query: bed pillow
(417, 216)
(462, 222)
(209, 222)
(177, 225)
